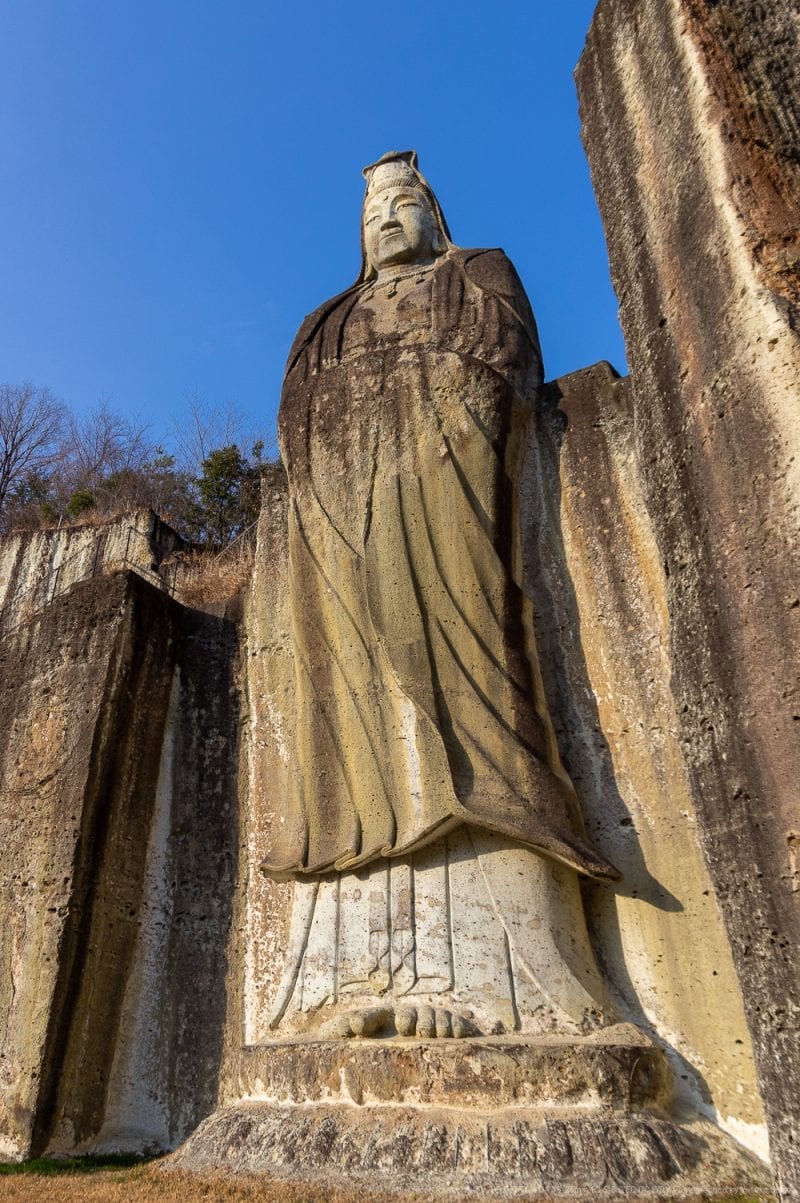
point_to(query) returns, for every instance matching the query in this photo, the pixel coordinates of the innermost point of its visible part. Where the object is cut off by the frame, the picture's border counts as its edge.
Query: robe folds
(418, 700)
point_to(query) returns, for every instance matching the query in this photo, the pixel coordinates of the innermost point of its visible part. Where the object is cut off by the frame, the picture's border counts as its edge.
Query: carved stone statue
(433, 835)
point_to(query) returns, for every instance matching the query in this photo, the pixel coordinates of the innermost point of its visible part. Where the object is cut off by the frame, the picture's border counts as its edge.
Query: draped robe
(418, 701)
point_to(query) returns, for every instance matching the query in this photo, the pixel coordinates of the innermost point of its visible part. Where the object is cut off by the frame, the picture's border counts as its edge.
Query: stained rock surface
(690, 117)
(660, 543)
(38, 566)
(491, 1117)
(118, 747)
(598, 586)
(470, 1154)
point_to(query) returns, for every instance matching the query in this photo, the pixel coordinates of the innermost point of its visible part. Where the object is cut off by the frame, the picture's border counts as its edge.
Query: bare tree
(56, 465)
(208, 426)
(32, 425)
(101, 443)
(103, 464)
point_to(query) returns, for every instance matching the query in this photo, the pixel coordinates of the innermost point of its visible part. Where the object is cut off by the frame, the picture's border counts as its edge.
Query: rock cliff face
(141, 946)
(118, 737)
(73, 787)
(602, 625)
(600, 596)
(38, 566)
(690, 115)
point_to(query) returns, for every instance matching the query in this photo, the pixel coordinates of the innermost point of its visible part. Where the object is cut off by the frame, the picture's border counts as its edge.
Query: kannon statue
(432, 834)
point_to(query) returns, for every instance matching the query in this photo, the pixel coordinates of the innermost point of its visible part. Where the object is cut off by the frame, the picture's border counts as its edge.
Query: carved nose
(390, 223)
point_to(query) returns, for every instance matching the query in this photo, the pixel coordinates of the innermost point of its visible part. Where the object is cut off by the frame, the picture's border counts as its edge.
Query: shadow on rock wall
(603, 636)
(119, 867)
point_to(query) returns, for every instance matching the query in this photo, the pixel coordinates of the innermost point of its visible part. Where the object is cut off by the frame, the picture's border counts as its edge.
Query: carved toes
(425, 1022)
(443, 1023)
(429, 1022)
(460, 1026)
(405, 1020)
(337, 1029)
(357, 1023)
(366, 1023)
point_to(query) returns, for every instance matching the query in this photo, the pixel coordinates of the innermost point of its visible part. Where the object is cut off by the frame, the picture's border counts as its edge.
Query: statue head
(402, 222)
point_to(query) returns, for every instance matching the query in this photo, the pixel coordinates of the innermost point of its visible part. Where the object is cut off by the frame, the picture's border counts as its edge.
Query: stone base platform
(485, 1118)
(614, 1067)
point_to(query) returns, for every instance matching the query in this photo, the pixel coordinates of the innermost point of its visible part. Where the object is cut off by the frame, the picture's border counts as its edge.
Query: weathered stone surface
(599, 589)
(447, 1154)
(394, 605)
(604, 640)
(74, 795)
(170, 1043)
(38, 566)
(657, 548)
(431, 832)
(615, 1068)
(418, 707)
(117, 754)
(268, 684)
(690, 115)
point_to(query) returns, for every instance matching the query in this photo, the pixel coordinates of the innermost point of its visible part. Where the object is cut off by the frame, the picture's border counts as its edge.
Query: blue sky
(183, 180)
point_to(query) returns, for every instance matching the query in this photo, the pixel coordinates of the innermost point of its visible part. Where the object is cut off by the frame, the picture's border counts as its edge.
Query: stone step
(616, 1067)
(447, 1154)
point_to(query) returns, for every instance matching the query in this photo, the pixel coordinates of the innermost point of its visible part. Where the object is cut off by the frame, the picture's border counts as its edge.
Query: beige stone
(469, 927)
(156, 976)
(117, 818)
(690, 116)
(420, 742)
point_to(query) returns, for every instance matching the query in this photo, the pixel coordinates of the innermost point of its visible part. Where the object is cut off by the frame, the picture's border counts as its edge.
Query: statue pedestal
(546, 1118)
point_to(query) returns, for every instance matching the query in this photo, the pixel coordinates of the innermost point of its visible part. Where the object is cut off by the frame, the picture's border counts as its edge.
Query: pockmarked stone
(616, 1068)
(431, 830)
(690, 115)
(416, 1003)
(433, 1016)
(453, 1155)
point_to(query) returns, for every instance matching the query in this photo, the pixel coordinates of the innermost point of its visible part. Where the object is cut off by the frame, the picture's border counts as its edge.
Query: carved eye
(372, 217)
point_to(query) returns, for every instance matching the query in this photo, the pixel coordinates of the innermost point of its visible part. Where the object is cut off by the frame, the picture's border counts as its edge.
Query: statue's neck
(399, 270)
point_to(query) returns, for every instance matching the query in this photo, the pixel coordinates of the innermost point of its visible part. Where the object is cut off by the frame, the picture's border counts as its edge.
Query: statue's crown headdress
(397, 169)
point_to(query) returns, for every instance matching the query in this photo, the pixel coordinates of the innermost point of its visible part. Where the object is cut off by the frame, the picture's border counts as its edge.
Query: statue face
(399, 227)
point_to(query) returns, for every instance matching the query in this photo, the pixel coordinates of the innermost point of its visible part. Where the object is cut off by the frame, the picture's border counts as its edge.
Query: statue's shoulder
(321, 312)
(314, 321)
(489, 268)
(493, 272)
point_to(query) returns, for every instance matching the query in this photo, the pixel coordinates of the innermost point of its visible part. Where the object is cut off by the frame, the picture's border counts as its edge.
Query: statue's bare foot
(358, 1023)
(426, 1022)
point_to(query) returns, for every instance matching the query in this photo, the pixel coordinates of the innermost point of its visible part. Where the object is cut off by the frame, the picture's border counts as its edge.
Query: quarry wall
(37, 566)
(144, 745)
(690, 119)
(118, 746)
(603, 637)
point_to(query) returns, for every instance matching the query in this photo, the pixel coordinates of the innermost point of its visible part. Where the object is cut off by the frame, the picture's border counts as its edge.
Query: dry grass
(89, 519)
(204, 579)
(146, 1184)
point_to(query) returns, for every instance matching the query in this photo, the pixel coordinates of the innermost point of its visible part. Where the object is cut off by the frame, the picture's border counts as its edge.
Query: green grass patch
(53, 1166)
